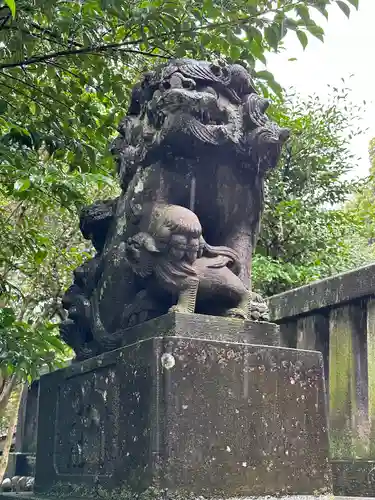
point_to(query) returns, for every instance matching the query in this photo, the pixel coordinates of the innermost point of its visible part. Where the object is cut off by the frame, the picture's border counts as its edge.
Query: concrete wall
(337, 317)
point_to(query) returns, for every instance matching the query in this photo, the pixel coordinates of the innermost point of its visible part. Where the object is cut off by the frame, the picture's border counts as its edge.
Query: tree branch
(97, 50)
(101, 49)
(70, 41)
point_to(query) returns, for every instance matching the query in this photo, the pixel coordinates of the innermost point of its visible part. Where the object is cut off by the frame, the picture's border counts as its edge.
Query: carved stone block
(192, 415)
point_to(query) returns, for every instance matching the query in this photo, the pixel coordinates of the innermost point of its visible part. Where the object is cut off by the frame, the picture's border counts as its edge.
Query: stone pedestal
(187, 413)
(21, 462)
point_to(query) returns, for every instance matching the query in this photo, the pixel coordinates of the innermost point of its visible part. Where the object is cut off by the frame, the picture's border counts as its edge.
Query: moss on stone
(342, 396)
(71, 491)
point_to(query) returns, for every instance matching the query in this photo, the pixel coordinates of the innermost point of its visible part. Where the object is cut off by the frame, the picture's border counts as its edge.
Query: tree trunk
(12, 424)
(6, 387)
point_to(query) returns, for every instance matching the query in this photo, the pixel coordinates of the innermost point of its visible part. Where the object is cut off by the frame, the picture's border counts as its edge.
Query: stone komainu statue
(191, 154)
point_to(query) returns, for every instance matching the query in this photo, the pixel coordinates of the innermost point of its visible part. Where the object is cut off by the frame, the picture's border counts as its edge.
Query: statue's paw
(177, 309)
(257, 316)
(236, 313)
(259, 310)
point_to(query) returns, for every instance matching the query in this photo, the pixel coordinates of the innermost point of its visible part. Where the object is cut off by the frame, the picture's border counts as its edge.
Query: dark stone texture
(22, 461)
(162, 496)
(20, 464)
(354, 477)
(192, 153)
(26, 433)
(202, 416)
(340, 289)
(203, 326)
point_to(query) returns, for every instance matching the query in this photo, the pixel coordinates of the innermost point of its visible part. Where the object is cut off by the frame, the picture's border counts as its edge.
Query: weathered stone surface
(209, 327)
(370, 345)
(337, 316)
(202, 416)
(349, 425)
(340, 289)
(15, 496)
(22, 461)
(27, 419)
(20, 464)
(354, 477)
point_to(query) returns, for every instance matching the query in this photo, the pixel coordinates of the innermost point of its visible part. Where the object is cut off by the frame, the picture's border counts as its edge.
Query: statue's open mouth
(199, 113)
(203, 106)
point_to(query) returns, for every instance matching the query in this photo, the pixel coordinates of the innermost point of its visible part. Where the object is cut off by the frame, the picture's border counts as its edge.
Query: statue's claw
(178, 309)
(236, 313)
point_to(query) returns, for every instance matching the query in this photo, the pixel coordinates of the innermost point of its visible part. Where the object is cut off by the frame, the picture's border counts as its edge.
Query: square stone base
(207, 417)
(187, 414)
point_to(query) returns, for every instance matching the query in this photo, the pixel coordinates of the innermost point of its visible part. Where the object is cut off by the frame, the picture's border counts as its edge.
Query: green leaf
(303, 13)
(22, 185)
(12, 6)
(32, 107)
(235, 52)
(291, 24)
(7, 317)
(265, 75)
(276, 87)
(302, 37)
(322, 9)
(271, 37)
(257, 51)
(344, 7)
(254, 33)
(354, 3)
(55, 342)
(317, 31)
(39, 256)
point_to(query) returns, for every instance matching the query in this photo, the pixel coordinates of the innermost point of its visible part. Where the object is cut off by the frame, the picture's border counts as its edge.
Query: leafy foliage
(307, 234)
(16, 348)
(364, 202)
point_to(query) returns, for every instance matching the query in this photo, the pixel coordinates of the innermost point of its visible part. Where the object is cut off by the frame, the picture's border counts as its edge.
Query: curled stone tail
(234, 265)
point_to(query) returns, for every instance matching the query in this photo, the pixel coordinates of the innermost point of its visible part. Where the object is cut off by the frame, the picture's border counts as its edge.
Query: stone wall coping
(329, 292)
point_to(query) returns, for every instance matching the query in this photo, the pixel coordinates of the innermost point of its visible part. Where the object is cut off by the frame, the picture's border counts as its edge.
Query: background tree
(308, 232)
(363, 203)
